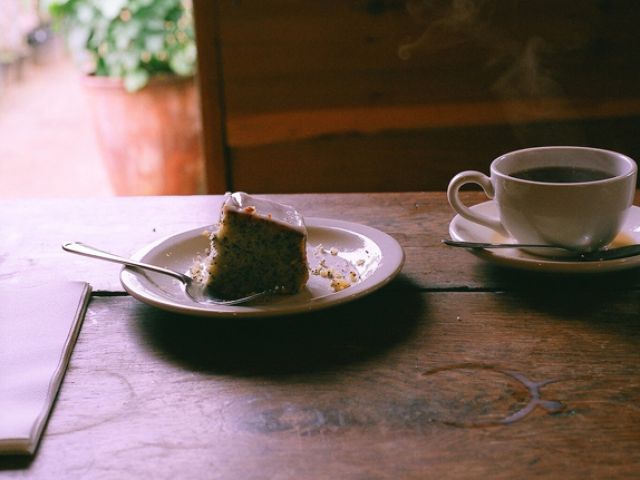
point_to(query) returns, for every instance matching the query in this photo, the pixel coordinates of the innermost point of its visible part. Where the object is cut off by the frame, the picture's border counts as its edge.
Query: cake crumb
(338, 280)
(339, 284)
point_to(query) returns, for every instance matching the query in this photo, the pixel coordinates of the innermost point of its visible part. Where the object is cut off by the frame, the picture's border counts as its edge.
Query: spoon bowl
(195, 290)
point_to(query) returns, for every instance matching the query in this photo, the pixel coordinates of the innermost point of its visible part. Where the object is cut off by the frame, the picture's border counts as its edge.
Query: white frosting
(274, 211)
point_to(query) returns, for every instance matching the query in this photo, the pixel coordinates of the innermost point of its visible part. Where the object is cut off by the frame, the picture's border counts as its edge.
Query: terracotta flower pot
(150, 139)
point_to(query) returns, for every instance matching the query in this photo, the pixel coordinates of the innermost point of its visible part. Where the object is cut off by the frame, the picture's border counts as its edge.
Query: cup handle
(471, 176)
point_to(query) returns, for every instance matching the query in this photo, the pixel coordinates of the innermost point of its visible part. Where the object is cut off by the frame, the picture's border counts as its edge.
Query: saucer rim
(459, 229)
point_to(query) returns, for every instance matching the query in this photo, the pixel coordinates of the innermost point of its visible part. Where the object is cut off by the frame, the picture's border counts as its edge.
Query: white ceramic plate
(375, 256)
(462, 229)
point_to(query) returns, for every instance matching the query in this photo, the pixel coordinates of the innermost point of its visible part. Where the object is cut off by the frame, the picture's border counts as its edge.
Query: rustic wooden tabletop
(456, 369)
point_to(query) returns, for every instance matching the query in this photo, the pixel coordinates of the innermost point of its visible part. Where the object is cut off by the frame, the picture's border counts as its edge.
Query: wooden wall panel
(418, 160)
(314, 92)
(211, 97)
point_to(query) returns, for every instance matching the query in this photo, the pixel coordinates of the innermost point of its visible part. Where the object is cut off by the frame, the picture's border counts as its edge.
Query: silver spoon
(193, 289)
(606, 254)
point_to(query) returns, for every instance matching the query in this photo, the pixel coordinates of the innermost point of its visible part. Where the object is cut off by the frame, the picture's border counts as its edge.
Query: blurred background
(47, 143)
(89, 90)
(134, 97)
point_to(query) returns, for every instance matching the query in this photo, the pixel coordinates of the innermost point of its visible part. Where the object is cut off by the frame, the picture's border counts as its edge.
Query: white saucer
(464, 230)
(375, 256)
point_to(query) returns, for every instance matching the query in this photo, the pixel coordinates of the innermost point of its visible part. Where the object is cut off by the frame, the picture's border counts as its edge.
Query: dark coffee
(560, 174)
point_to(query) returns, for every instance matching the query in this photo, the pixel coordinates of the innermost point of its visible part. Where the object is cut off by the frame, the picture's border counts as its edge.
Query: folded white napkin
(38, 329)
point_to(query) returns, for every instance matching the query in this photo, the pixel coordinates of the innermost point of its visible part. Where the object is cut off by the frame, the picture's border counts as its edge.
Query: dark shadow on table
(15, 462)
(321, 341)
(609, 300)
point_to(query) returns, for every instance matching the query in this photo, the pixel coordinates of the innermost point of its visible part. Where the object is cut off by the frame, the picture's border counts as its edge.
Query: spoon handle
(456, 243)
(598, 255)
(88, 251)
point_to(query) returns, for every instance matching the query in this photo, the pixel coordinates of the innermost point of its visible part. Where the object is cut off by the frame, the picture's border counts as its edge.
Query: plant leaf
(111, 8)
(135, 80)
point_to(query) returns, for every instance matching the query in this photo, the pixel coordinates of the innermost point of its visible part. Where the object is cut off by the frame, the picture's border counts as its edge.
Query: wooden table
(457, 369)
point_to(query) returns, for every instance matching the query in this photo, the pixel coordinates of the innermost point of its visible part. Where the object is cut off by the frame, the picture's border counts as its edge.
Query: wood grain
(409, 160)
(211, 100)
(350, 96)
(286, 56)
(457, 369)
(35, 230)
(400, 385)
(290, 126)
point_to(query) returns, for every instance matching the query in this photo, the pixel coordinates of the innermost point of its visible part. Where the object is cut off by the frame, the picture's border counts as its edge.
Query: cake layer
(260, 245)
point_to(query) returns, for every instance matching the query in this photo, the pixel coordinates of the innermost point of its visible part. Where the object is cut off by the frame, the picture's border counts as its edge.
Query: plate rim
(391, 263)
(525, 261)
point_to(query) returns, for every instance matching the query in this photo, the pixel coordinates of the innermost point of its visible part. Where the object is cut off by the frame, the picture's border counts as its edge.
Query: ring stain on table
(479, 412)
(97, 411)
(462, 395)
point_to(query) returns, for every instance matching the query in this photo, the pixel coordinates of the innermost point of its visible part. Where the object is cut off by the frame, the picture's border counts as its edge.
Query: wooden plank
(291, 126)
(211, 97)
(394, 161)
(410, 86)
(409, 160)
(398, 385)
(34, 231)
(287, 21)
(348, 89)
(289, 72)
(294, 55)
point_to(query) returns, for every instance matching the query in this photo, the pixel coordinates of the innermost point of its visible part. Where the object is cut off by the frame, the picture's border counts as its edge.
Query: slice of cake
(259, 245)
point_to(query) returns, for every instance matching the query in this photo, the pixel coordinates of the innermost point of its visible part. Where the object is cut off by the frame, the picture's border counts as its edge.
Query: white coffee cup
(583, 212)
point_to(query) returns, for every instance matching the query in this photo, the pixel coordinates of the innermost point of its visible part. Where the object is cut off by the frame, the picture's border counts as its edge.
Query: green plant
(129, 39)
